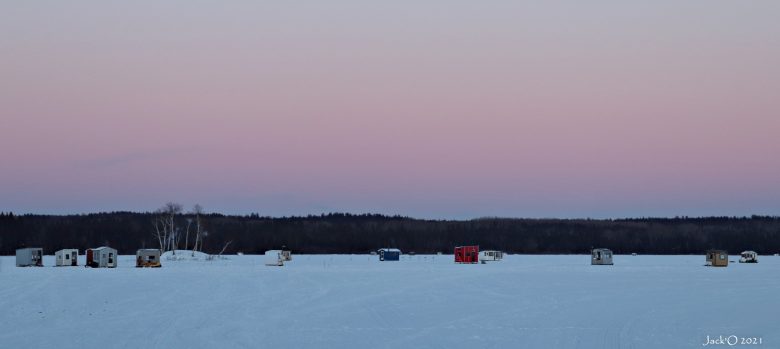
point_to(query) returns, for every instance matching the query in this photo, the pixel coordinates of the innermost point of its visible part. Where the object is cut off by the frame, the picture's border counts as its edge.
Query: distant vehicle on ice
(490, 256)
(748, 257)
(101, 257)
(601, 256)
(389, 254)
(717, 258)
(147, 258)
(467, 254)
(29, 257)
(67, 257)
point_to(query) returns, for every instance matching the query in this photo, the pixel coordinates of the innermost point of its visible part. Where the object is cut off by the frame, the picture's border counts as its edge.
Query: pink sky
(441, 109)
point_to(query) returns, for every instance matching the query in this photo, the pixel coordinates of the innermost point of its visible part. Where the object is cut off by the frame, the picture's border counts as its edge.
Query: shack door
(89, 258)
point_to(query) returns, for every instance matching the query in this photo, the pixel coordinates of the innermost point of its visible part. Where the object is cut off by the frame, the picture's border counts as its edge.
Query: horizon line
(386, 215)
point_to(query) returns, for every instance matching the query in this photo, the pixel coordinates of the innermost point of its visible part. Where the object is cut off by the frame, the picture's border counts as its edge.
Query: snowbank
(185, 255)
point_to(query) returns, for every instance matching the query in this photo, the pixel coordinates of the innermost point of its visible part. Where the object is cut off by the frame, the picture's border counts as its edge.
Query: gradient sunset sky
(432, 109)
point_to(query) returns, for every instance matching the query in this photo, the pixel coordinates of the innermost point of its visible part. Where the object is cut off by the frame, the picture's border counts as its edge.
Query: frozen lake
(355, 301)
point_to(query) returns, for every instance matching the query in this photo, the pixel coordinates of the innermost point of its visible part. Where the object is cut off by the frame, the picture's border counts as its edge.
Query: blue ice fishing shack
(389, 254)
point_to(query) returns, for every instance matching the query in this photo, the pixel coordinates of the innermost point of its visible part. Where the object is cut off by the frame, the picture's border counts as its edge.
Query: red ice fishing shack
(467, 254)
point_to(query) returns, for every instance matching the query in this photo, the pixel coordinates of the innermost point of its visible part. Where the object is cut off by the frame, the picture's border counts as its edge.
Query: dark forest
(350, 233)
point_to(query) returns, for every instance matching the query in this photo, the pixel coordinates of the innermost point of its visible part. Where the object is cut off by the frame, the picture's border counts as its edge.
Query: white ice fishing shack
(101, 257)
(748, 257)
(490, 256)
(274, 258)
(67, 257)
(29, 257)
(601, 256)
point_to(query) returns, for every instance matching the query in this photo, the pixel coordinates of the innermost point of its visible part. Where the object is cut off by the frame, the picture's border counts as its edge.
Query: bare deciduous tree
(199, 232)
(187, 234)
(165, 229)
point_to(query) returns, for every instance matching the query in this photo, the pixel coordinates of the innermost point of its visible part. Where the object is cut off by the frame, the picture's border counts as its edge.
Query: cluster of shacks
(472, 255)
(598, 256)
(713, 258)
(463, 255)
(99, 257)
(720, 258)
(106, 257)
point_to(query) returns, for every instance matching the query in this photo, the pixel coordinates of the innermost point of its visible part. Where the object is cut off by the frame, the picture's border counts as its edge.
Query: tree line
(174, 228)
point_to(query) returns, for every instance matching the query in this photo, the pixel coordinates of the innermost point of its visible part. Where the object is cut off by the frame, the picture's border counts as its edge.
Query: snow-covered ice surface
(355, 301)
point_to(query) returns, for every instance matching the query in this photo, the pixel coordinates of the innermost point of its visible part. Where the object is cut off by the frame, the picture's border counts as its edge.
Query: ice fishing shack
(286, 254)
(717, 258)
(601, 256)
(101, 257)
(748, 257)
(490, 256)
(67, 257)
(467, 254)
(29, 257)
(389, 254)
(274, 258)
(147, 258)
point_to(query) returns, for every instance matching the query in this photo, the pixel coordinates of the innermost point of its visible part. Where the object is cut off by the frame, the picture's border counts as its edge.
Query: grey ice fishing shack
(29, 257)
(601, 256)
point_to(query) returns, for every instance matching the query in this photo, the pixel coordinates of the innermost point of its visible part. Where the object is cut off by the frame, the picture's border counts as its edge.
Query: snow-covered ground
(355, 301)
